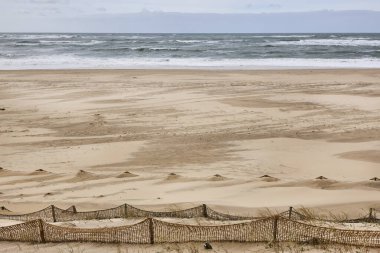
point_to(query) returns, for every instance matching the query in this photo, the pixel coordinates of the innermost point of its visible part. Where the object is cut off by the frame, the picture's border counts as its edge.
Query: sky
(140, 15)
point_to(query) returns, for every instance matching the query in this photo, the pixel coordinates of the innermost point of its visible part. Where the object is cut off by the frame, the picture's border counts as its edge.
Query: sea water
(231, 51)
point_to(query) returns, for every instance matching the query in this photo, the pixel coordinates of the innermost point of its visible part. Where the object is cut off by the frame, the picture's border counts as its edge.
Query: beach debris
(375, 179)
(321, 178)
(48, 194)
(265, 176)
(126, 174)
(2, 109)
(207, 245)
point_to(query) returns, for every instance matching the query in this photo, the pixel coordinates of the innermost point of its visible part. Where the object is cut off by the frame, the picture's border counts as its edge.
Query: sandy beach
(164, 139)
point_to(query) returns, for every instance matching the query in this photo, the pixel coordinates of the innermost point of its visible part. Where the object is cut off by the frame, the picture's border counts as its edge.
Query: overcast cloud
(89, 15)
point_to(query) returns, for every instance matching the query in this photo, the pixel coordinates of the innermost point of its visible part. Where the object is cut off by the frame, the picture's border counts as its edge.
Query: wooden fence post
(275, 228)
(125, 211)
(151, 230)
(370, 213)
(74, 209)
(204, 210)
(290, 212)
(53, 213)
(41, 229)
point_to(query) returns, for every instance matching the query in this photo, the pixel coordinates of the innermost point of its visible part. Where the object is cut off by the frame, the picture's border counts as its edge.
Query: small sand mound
(173, 176)
(217, 177)
(40, 172)
(375, 179)
(5, 172)
(267, 178)
(4, 210)
(312, 183)
(323, 183)
(321, 178)
(83, 175)
(126, 174)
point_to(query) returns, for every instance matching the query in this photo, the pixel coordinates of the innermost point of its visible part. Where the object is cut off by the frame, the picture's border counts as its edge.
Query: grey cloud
(101, 9)
(118, 15)
(49, 1)
(161, 22)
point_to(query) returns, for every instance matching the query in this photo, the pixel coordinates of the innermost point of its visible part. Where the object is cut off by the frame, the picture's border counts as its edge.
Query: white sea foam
(199, 41)
(40, 36)
(188, 41)
(71, 42)
(283, 36)
(73, 62)
(330, 42)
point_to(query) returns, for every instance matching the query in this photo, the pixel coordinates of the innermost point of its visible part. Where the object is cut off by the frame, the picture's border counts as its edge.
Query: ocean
(230, 51)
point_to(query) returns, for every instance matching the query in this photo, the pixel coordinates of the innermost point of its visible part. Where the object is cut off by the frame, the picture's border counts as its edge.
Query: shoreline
(210, 69)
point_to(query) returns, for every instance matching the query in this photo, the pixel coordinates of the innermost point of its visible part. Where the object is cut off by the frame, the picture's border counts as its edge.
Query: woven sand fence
(273, 229)
(71, 215)
(46, 214)
(72, 209)
(254, 231)
(294, 231)
(215, 215)
(53, 214)
(371, 217)
(124, 211)
(137, 233)
(297, 215)
(26, 232)
(194, 212)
